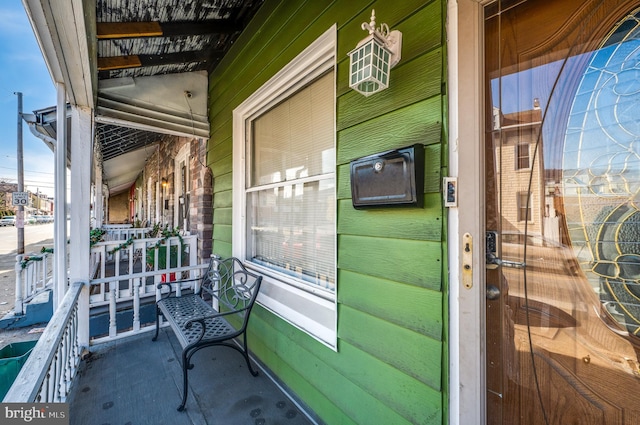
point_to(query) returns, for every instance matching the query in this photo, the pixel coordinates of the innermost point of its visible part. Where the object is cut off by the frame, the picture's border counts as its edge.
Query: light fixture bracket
(392, 40)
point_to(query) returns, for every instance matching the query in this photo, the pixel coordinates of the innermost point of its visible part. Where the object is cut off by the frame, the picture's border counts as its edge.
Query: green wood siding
(391, 363)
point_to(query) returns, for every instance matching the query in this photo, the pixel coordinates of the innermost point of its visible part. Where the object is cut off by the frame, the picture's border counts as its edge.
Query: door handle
(493, 292)
(493, 260)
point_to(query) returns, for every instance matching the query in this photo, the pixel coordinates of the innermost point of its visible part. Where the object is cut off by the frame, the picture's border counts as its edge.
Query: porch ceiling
(142, 66)
(155, 37)
(116, 140)
(124, 169)
(125, 151)
(153, 58)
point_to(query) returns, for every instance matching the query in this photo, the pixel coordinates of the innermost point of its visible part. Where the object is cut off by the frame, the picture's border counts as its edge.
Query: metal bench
(214, 314)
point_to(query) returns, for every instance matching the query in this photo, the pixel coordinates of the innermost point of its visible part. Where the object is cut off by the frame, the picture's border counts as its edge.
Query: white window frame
(518, 152)
(311, 310)
(524, 209)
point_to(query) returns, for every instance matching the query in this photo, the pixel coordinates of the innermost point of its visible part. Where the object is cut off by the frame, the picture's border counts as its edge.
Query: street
(35, 237)
(32, 234)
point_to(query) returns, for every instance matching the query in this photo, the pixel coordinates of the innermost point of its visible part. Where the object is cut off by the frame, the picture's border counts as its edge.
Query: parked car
(30, 220)
(8, 220)
(41, 219)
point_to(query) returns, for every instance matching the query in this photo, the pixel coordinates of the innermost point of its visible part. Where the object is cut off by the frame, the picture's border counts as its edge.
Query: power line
(41, 183)
(29, 171)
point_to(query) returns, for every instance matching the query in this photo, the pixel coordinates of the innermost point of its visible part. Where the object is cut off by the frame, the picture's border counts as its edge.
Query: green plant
(156, 230)
(96, 236)
(162, 256)
(161, 247)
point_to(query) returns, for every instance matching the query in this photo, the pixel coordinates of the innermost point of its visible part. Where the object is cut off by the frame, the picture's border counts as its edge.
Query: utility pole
(20, 213)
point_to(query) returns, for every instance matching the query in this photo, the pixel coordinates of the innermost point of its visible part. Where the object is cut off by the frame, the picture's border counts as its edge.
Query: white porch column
(97, 202)
(81, 163)
(159, 217)
(105, 200)
(60, 206)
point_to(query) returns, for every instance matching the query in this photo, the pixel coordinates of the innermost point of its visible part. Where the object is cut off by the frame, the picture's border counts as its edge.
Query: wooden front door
(562, 158)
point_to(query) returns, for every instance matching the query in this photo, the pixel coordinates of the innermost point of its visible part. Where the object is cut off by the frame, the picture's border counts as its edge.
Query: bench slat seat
(214, 314)
(185, 309)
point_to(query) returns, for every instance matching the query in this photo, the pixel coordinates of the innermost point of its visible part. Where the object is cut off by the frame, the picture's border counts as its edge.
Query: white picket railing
(33, 276)
(108, 259)
(52, 365)
(47, 374)
(124, 233)
(188, 282)
(113, 289)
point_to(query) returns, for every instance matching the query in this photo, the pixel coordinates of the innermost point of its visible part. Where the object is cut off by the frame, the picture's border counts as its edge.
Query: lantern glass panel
(370, 67)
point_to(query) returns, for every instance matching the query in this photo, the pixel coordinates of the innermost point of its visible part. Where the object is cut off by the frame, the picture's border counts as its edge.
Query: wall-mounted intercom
(450, 191)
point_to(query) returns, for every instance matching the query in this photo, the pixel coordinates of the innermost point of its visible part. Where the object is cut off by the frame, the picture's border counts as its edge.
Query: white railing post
(38, 267)
(29, 279)
(82, 319)
(216, 267)
(19, 307)
(58, 376)
(179, 264)
(113, 330)
(131, 254)
(136, 305)
(103, 268)
(68, 354)
(50, 389)
(193, 256)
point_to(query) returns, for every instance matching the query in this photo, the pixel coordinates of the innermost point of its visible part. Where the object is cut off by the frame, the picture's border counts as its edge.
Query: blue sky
(22, 69)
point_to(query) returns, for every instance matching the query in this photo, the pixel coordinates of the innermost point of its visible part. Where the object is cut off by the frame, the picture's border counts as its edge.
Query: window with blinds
(524, 206)
(290, 193)
(522, 156)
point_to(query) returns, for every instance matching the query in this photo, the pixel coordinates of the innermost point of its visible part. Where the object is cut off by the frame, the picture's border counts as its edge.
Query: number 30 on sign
(20, 198)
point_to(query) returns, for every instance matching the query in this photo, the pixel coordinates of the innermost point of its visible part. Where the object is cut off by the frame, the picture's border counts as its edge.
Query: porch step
(38, 310)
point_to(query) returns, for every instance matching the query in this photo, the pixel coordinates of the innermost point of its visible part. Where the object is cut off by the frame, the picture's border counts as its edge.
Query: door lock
(493, 262)
(467, 260)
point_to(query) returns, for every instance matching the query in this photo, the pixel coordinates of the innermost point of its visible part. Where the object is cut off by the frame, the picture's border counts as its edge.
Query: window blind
(291, 192)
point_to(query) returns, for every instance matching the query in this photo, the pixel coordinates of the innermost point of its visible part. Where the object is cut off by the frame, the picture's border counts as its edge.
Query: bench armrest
(167, 294)
(170, 293)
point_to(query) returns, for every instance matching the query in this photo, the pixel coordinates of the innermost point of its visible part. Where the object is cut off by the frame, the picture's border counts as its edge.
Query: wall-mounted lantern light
(374, 57)
(164, 182)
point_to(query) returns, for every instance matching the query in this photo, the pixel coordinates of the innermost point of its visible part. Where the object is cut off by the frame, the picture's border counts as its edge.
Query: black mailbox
(392, 178)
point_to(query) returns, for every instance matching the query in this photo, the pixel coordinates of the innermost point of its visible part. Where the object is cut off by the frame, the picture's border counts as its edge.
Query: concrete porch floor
(136, 381)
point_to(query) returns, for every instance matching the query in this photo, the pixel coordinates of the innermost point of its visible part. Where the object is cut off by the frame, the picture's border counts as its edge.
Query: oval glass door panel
(601, 173)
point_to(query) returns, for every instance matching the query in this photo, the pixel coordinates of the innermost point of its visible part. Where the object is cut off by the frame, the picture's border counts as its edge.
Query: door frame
(467, 354)
(182, 156)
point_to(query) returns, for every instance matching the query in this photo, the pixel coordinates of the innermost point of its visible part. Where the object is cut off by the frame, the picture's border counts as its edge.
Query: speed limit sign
(20, 198)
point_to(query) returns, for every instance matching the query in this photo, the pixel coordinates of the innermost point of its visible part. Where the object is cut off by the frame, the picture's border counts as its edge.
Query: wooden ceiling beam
(136, 61)
(109, 30)
(113, 30)
(118, 62)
